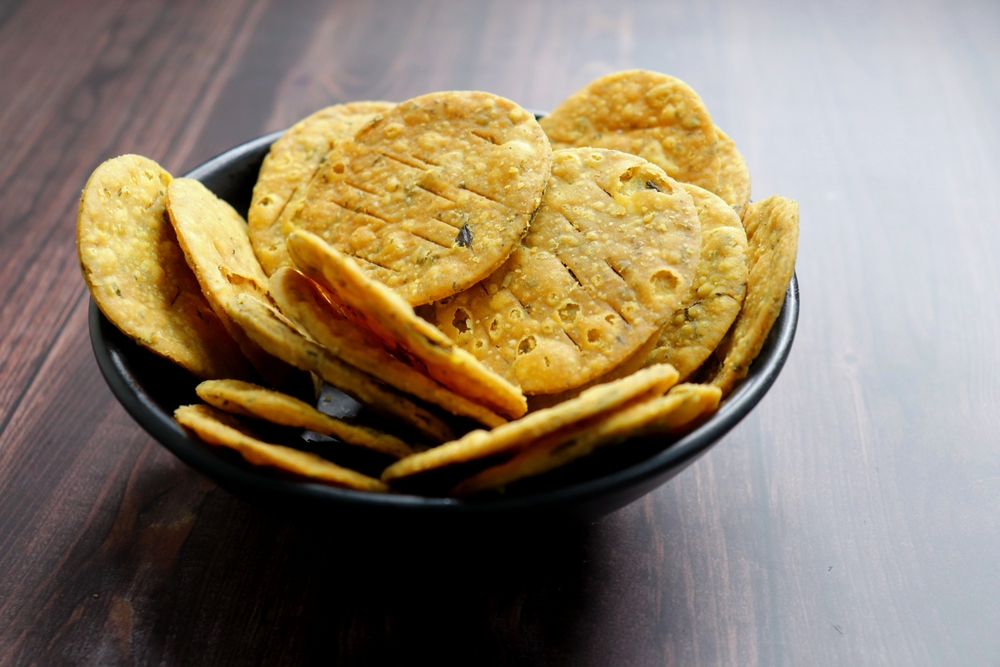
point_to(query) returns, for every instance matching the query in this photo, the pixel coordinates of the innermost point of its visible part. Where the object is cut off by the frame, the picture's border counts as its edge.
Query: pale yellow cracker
(734, 175)
(410, 337)
(215, 242)
(290, 165)
(218, 428)
(137, 274)
(252, 400)
(716, 295)
(772, 227)
(662, 414)
(273, 332)
(645, 113)
(305, 302)
(518, 434)
(434, 195)
(610, 253)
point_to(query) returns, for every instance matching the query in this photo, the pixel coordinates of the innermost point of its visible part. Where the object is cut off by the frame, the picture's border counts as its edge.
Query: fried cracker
(734, 175)
(661, 415)
(434, 195)
(218, 428)
(251, 400)
(137, 274)
(772, 227)
(305, 302)
(515, 435)
(273, 332)
(289, 167)
(410, 337)
(652, 115)
(717, 293)
(610, 253)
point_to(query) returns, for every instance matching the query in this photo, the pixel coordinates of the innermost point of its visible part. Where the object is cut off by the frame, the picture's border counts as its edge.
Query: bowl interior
(150, 388)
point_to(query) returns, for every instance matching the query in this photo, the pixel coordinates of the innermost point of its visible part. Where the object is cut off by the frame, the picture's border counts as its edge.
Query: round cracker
(772, 227)
(251, 400)
(517, 434)
(610, 252)
(137, 273)
(218, 428)
(434, 195)
(409, 337)
(734, 175)
(649, 114)
(716, 295)
(290, 165)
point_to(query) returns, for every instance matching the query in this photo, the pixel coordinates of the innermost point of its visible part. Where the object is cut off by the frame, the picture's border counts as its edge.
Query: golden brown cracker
(734, 175)
(434, 195)
(517, 434)
(290, 165)
(610, 252)
(218, 428)
(661, 414)
(410, 337)
(251, 400)
(649, 114)
(137, 273)
(772, 227)
(305, 302)
(215, 242)
(273, 332)
(715, 296)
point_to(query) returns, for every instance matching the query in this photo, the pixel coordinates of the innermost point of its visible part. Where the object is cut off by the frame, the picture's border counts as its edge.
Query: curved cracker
(652, 115)
(218, 428)
(290, 165)
(137, 273)
(734, 175)
(434, 195)
(386, 314)
(251, 400)
(610, 252)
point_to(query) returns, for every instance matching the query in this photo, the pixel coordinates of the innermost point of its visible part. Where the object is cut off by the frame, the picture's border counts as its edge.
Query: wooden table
(852, 519)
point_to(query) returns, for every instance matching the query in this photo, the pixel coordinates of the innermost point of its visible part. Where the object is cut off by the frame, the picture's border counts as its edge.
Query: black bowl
(151, 388)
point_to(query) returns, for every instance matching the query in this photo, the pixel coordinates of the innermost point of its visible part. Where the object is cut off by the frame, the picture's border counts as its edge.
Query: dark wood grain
(853, 518)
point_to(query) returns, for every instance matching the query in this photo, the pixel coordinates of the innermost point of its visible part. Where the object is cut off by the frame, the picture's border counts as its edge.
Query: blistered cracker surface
(305, 302)
(289, 167)
(137, 273)
(649, 114)
(252, 400)
(734, 175)
(217, 428)
(409, 337)
(434, 195)
(716, 295)
(608, 256)
(657, 414)
(772, 227)
(517, 434)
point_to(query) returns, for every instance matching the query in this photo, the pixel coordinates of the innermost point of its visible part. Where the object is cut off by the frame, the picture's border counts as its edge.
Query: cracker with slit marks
(734, 175)
(652, 115)
(681, 406)
(516, 435)
(431, 197)
(276, 334)
(219, 428)
(304, 301)
(610, 253)
(772, 227)
(215, 242)
(289, 167)
(251, 400)
(408, 336)
(716, 295)
(137, 274)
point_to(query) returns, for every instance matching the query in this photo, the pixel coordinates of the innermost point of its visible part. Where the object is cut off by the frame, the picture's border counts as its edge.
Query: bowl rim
(651, 471)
